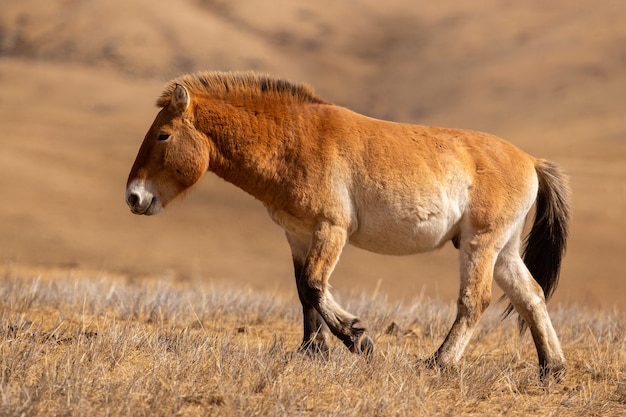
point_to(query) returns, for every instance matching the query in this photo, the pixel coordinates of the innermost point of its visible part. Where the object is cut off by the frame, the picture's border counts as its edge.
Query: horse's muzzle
(141, 199)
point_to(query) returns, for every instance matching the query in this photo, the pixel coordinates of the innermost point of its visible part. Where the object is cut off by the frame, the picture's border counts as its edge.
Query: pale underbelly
(404, 237)
(386, 229)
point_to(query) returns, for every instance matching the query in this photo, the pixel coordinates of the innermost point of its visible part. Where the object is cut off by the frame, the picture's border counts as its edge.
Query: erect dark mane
(223, 84)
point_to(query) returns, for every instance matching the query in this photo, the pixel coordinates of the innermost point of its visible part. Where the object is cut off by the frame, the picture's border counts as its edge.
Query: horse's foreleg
(474, 298)
(325, 247)
(315, 334)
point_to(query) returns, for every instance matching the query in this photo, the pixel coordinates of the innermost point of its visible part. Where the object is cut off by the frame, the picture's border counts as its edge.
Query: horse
(330, 177)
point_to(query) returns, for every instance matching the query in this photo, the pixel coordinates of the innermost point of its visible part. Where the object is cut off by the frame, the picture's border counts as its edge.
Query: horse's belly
(398, 240)
(406, 232)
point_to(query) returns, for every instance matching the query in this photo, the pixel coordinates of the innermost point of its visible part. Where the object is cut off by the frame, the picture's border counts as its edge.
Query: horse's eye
(163, 136)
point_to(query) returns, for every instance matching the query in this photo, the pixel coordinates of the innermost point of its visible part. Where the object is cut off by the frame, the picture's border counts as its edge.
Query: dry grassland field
(194, 311)
(78, 343)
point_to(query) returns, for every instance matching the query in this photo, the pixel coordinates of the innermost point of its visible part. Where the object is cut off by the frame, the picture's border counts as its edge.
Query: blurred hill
(79, 78)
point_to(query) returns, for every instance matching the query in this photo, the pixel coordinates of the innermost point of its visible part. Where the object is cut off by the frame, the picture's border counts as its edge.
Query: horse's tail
(545, 245)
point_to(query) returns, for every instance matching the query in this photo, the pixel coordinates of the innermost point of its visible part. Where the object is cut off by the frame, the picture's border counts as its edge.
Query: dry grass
(83, 344)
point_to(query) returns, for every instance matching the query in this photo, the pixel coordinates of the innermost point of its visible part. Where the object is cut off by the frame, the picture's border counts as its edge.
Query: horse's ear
(180, 99)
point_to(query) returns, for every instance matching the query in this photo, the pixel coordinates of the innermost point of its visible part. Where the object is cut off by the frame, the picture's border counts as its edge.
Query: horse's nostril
(133, 199)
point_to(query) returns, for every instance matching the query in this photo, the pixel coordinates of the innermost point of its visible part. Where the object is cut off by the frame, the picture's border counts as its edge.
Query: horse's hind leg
(315, 337)
(477, 260)
(326, 245)
(527, 297)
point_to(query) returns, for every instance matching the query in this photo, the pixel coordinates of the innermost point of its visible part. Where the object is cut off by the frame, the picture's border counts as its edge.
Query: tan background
(78, 80)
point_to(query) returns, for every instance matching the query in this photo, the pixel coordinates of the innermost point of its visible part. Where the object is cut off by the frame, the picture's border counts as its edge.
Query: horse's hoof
(558, 372)
(366, 345)
(429, 362)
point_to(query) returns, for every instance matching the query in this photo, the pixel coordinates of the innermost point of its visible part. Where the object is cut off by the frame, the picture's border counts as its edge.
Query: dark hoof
(558, 372)
(366, 346)
(429, 362)
(434, 362)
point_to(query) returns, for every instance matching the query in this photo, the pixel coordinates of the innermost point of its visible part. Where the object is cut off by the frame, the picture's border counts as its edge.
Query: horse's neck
(247, 152)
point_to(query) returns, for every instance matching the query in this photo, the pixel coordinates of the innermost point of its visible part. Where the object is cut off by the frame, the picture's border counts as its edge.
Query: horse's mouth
(153, 208)
(142, 200)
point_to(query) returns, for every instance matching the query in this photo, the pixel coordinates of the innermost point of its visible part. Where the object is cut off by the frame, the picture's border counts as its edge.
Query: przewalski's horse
(329, 177)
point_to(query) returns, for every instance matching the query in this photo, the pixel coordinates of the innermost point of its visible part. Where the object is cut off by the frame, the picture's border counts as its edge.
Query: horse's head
(172, 157)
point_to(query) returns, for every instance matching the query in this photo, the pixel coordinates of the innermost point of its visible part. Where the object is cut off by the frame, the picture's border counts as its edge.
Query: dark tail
(545, 245)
